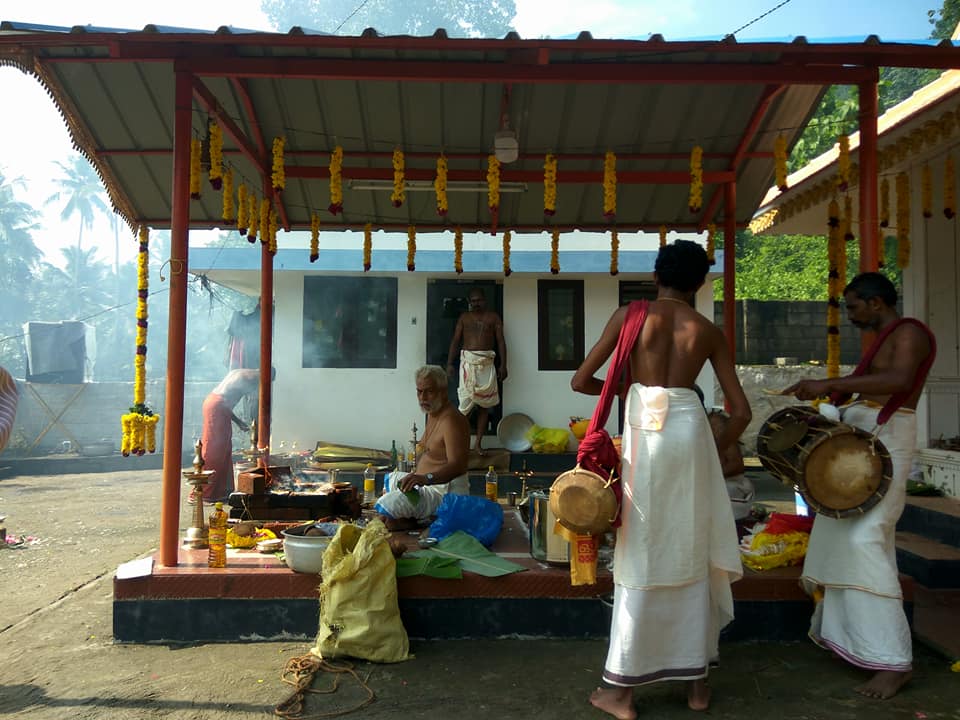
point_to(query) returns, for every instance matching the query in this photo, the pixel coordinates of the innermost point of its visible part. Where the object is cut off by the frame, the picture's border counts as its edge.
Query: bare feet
(884, 684)
(698, 694)
(615, 701)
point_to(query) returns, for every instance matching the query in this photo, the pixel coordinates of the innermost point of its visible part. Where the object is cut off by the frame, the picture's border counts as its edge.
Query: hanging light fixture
(506, 148)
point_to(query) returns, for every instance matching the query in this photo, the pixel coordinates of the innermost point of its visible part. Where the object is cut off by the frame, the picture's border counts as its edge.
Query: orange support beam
(266, 350)
(729, 266)
(869, 223)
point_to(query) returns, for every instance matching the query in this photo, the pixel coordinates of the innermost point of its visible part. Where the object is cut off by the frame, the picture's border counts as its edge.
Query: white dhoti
(396, 504)
(861, 617)
(676, 551)
(478, 380)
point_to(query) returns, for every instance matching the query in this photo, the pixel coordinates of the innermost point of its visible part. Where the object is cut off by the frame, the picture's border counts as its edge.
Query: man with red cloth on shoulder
(861, 617)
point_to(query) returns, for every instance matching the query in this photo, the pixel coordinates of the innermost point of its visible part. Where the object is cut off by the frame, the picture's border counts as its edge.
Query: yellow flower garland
(903, 220)
(834, 289)
(843, 164)
(493, 182)
(555, 252)
(367, 247)
(215, 174)
(949, 189)
(440, 186)
(780, 162)
(336, 181)
(458, 250)
(884, 202)
(663, 235)
(252, 214)
(229, 209)
(399, 194)
(614, 252)
(711, 242)
(265, 220)
(272, 243)
(278, 176)
(506, 254)
(314, 237)
(847, 223)
(411, 248)
(196, 150)
(926, 191)
(696, 179)
(242, 221)
(550, 185)
(609, 186)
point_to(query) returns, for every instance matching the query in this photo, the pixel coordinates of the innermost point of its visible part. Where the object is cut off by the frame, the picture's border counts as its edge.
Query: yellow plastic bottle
(369, 485)
(217, 538)
(491, 484)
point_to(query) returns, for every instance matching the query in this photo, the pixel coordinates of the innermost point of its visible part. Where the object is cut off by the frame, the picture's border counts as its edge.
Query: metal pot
(545, 546)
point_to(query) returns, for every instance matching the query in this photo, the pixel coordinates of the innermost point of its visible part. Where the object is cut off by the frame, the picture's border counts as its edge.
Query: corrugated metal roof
(648, 101)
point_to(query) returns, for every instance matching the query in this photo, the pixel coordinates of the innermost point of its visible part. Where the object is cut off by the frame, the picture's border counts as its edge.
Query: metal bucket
(545, 546)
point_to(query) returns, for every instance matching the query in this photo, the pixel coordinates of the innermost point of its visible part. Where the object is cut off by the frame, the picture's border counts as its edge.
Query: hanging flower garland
(712, 243)
(903, 220)
(242, 209)
(196, 150)
(663, 235)
(696, 179)
(252, 218)
(440, 186)
(229, 209)
(336, 181)
(265, 221)
(614, 252)
(609, 186)
(138, 426)
(949, 189)
(458, 251)
(215, 173)
(314, 237)
(780, 162)
(555, 252)
(847, 223)
(843, 164)
(834, 289)
(272, 243)
(367, 247)
(506, 254)
(411, 248)
(884, 202)
(399, 193)
(926, 191)
(493, 182)
(278, 175)
(550, 185)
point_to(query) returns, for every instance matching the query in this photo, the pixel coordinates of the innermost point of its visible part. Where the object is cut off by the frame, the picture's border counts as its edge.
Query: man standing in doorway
(479, 338)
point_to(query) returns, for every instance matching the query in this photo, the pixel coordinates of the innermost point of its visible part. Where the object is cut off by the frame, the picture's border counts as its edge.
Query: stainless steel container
(545, 545)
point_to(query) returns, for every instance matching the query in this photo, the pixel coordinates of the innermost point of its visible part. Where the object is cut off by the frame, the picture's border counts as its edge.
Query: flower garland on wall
(834, 289)
(780, 162)
(440, 186)
(411, 248)
(278, 175)
(367, 247)
(399, 183)
(215, 173)
(555, 252)
(196, 150)
(458, 250)
(843, 164)
(926, 191)
(229, 209)
(663, 235)
(609, 186)
(265, 221)
(252, 218)
(493, 182)
(550, 185)
(884, 202)
(138, 427)
(696, 179)
(712, 243)
(949, 189)
(506, 254)
(314, 237)
(614, 252)
(336, 181)
(242, 221)
(903, 220)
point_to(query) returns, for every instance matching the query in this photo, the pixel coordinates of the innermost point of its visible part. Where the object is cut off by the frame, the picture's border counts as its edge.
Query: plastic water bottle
(491, 484)
(217, 538)
(369, 485)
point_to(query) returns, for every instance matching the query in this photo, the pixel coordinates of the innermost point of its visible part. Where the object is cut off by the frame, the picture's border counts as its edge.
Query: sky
(34, 137)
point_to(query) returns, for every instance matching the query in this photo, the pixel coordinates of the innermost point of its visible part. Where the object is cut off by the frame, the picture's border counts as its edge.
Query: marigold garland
(272, 231)
(926, 191)
(550, 185)
(555, 252)
(696, 179)
(196, 151)
(780, 162)
(506, 254)
(440, 186)
(903, 220)
(314, 237)
(884, 202)
(493, 182)
(336, 181)
(411, 248)
(663, 235)
(712, 243)
(834, 289)
(215, 173)
(843, 164)
(242, 209)
(614, 252)
(458, 250)
(367, 247)
(949, 189)
(253, 221)
(229, 208)
(265, 221)
(847, 223)
(278, 176)
(609, 186)
(399, 184)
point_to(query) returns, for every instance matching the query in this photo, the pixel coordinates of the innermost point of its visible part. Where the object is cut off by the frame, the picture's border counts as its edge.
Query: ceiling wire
(758, 18)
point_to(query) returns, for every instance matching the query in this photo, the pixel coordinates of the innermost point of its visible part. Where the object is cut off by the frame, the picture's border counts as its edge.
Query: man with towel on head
(477, 331)
(676, 551)
(861, 616)
(441, 458)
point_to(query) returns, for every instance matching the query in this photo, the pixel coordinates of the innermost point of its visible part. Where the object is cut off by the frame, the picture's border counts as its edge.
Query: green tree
(460, 18)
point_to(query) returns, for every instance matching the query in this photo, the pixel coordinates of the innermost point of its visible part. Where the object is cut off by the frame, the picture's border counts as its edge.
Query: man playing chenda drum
(861, 616)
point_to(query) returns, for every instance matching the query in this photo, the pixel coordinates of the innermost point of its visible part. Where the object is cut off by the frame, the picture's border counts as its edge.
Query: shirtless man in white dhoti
(676, 551)
(478, 332)
(861, 616)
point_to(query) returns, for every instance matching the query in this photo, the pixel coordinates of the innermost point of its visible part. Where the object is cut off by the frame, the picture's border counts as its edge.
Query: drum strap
(897, 399)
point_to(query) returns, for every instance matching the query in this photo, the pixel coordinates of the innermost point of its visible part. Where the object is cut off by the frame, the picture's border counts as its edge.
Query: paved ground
(57, 659)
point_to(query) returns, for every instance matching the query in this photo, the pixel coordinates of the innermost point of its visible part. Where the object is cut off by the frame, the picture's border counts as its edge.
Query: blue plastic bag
(475, 515)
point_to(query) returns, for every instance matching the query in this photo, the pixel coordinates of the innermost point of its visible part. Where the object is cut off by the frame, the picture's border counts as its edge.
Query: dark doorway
(446, 301)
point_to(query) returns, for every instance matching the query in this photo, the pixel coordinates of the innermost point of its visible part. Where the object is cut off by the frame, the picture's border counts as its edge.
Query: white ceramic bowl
(304, 553)
(512, 432)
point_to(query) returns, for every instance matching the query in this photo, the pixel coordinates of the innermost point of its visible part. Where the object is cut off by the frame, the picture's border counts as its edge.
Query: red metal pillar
(266, 349)
(729, 266)
(177, 324)
(869, 227)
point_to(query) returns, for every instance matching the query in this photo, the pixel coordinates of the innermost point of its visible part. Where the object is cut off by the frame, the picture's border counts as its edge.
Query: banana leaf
(473, 556)
(333, 452)
(432, 566)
